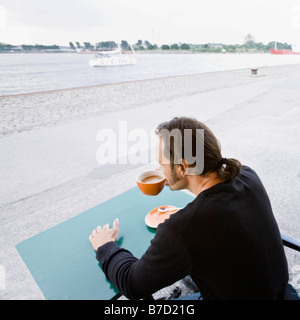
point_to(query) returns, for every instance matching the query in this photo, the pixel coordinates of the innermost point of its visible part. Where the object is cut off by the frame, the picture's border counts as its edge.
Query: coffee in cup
(151, 182)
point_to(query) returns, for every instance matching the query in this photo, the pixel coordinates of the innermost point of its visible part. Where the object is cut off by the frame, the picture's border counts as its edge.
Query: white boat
(113, 58)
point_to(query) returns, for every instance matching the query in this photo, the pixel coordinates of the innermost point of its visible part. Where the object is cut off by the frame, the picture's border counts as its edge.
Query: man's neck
(197, 184)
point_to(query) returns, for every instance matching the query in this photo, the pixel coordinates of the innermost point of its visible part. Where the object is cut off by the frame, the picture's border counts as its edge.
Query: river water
(23, 73)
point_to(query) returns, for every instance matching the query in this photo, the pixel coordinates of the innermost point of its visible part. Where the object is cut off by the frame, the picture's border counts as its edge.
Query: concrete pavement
(51, 174)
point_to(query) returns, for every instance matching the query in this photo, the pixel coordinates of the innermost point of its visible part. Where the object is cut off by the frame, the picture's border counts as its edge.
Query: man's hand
(100, 236)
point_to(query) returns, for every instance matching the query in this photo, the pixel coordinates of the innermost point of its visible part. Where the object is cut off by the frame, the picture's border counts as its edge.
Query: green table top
(62, 260)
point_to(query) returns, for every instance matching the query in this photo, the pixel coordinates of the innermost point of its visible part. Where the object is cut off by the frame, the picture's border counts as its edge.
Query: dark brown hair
(227, 169)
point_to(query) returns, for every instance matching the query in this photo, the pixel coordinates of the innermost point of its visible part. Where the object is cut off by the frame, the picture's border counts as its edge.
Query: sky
(158, 21)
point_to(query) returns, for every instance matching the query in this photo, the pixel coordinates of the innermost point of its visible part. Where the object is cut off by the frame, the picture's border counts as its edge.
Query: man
(226, 239)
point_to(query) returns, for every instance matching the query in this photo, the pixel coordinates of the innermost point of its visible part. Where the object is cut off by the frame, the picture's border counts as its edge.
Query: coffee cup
(151, 182)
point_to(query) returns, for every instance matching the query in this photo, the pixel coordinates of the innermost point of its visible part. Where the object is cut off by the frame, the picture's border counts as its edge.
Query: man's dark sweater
(227, 239)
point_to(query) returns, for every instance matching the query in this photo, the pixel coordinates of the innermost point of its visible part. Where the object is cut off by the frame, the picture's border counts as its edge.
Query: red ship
(282, 51)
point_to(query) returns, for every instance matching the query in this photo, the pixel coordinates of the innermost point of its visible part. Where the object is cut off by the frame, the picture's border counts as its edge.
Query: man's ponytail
(228, 169)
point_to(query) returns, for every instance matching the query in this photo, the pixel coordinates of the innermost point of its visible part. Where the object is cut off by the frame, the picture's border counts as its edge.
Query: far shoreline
(158, 51)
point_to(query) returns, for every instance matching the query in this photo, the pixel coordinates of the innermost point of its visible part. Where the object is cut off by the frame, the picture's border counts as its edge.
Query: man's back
(233, 240)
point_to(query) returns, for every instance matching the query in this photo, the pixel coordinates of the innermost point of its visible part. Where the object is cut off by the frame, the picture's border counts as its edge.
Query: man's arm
(165, 262)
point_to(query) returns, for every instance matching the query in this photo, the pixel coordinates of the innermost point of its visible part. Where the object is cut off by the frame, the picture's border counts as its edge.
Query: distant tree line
(249, 45)
(175, 46)
(36, 47)
(103, 45)
(6, 47)
(139, 45)
(39, 47)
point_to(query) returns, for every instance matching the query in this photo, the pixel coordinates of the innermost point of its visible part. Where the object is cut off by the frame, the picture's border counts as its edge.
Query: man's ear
(184, 167)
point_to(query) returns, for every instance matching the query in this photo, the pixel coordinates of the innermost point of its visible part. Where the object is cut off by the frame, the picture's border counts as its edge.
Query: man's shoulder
(180, 220)
(249, 176)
